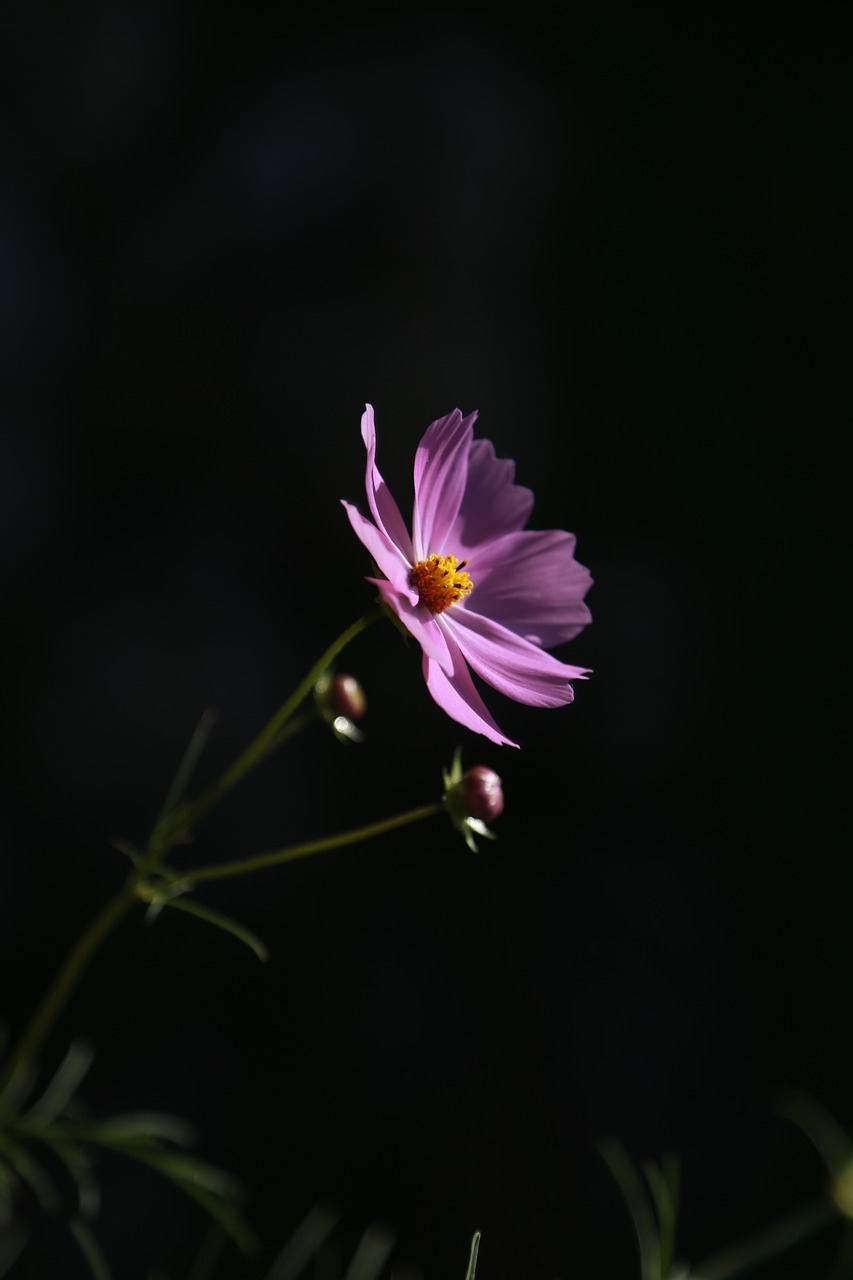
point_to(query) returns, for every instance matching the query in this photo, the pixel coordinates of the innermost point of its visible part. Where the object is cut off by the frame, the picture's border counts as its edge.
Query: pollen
(440, 582)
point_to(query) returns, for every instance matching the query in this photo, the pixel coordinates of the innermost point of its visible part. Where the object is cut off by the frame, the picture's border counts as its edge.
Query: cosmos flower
(477, 591)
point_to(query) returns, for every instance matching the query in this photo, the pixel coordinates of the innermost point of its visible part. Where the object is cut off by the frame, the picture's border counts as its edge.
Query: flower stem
(163, 838)
(56, 997)
(270, 736)
(226, 870)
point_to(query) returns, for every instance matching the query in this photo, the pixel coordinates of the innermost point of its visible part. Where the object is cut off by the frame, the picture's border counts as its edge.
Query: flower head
(477, 590)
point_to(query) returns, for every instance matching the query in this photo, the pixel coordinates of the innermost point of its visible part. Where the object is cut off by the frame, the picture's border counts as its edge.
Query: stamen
(440, 582)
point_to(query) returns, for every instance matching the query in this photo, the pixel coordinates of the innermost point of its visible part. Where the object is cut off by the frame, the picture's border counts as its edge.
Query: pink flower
(472, 585)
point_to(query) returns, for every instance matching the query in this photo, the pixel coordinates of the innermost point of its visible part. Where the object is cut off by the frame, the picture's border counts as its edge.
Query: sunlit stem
(270, 736)
(768, 1244)
(243, 866)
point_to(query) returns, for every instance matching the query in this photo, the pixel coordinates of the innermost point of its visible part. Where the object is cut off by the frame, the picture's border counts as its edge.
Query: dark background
(623, 236)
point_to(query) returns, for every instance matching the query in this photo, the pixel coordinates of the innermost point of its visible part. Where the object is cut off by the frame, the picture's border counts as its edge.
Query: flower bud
(479, 794)
(472, 799)
(346, 697)
(341, 701)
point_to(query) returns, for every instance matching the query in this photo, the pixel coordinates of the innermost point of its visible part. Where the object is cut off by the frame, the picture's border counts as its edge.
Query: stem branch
(244, 865)
(166, 831)
(186, 816)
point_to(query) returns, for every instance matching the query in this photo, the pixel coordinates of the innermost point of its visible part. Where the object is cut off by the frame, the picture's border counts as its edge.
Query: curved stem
(244, 865)
(270, 735)
(56, 997)
(163, 837)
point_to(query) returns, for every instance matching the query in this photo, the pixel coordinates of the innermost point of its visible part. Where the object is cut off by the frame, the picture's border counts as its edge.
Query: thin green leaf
(228, 1217)
(129, 850)
(90, 1250)
(237, 930)
(304, 1244)
(842, 1267)
(209, 1253)
(772, 1242)
(9, 1183)
(12, 1244)
(186, 768)
(30, 1172)
(472, 1260)
(634, 1193)
(371, 1254)
(16, 1089)
(134, 1126)
(210, 1187)
(820, 1127)
(79, 1166)
(663, 1183)
(65, 1082)
(185, 1170)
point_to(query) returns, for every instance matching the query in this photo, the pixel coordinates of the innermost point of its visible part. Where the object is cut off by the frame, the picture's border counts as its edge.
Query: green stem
(294, 726)
(243, 866)
(163, 838)
(270, 735)
(56, 997)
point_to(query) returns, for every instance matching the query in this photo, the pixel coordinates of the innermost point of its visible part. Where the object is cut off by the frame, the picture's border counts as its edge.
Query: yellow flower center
(440, 582)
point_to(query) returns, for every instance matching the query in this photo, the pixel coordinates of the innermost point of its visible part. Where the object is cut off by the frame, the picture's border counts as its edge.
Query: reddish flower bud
(472, 799)
(480, 795)
(346, 697)
(341, 701)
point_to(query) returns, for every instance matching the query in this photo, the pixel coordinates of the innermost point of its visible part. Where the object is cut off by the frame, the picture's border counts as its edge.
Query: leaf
(9, 1183)
(664, 1184)
(210, 1187)
(150, 1127)
(90, 1249)
(472, 1261)
(209, 1253)
(30, 1172)
(631, 1186)
(304, 1244)
(79, 1166)
(19, 1081)
(12, 1244)
(186, 768)
(371, 1254)
(187, 1170)
(237, 930)
(227, 1215)
(819, 1126)
(65, 1082)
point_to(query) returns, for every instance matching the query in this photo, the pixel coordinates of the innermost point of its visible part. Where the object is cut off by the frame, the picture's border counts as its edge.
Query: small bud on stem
(472, 799)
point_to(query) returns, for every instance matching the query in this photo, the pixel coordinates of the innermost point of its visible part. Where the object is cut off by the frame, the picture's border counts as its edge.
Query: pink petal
(456, 695)
(441, 469)
(384, 509)
(419, 621)
(389, 558)
(492, 504)
(530, 582)
(514, 666)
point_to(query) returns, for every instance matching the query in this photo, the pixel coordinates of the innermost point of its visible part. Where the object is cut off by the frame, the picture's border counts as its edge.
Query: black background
(623, 236)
